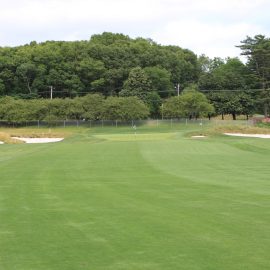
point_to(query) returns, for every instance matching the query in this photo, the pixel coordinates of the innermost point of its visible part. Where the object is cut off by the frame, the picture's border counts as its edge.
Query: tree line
(115, 65)
(90, 107)
(102, 64)
(95, 107)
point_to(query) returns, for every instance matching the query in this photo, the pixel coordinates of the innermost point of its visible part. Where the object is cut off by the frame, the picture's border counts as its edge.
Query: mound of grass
(6, 138)
(263, 125)
(219, 130)
(240, 129)
(7, 133)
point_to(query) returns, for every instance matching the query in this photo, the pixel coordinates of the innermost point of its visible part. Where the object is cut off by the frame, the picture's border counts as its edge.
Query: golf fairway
(120, 202)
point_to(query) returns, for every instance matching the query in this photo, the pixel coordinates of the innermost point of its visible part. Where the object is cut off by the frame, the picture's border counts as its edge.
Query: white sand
(263, 136)
(1, 142)
(198, 136)
(39, 140)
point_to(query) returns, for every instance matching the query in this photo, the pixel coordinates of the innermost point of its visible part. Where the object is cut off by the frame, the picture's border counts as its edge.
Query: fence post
(64, 123)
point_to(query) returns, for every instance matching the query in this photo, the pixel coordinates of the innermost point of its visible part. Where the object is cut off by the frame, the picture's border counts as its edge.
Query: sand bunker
(38, 140)
(198, 136)
(263, 136)
(1, 142)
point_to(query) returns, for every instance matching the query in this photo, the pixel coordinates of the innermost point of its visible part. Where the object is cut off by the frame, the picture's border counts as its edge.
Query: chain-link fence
(132, 123)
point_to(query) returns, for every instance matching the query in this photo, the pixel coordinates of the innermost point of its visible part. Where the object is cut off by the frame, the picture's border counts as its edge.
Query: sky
(210, 27)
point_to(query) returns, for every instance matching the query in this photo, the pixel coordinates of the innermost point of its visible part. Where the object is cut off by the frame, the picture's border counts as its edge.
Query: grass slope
(100, 201)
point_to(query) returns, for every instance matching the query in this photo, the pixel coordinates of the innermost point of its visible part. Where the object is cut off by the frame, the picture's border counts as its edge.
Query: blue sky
(212, 27)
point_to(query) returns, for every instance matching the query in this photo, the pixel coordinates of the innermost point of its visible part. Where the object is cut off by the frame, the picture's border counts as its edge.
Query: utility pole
(51, 87)
(178, 89)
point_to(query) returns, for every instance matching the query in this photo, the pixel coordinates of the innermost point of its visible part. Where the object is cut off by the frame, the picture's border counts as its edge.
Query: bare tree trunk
(28, 86)
(265, 110)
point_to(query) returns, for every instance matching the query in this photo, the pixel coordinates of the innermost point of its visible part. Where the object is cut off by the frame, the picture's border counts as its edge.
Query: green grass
(106, 198)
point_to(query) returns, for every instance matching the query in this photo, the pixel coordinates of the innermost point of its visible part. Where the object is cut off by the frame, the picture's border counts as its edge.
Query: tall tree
(27, 72)
(190, 103)
(230, 75)
(257, 50)
(160, 80)
(138, 84)
(124, 108)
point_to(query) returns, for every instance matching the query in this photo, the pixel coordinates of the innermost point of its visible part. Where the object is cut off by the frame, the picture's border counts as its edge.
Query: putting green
(158, 201)
(135, 136)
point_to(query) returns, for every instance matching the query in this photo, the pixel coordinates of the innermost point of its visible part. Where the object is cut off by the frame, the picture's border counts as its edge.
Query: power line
(234, 90)
(66, 92)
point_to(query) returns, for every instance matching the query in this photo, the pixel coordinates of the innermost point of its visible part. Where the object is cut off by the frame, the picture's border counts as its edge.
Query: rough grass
(6, 134)
(229, 117)
(240, 129)
(125, 133)
(6, 138)
(219, 130)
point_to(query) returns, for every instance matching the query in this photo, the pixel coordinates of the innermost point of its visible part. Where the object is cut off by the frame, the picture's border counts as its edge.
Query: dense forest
(115, 65)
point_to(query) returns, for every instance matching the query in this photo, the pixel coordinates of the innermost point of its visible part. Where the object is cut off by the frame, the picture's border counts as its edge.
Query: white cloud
(209, 26)
(212, 40)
